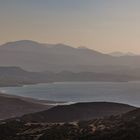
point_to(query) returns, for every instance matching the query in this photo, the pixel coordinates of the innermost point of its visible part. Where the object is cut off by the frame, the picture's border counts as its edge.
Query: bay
(121, 92)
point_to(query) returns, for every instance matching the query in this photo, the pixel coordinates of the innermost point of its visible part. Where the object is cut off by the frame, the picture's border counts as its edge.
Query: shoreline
(55, 103)
(28, 84)
(99, 81)
(34, 100)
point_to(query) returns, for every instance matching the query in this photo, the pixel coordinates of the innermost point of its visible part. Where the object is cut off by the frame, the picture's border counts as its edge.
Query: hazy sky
(104, 25)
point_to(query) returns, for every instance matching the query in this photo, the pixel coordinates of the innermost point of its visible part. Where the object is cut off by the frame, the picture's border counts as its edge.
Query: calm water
(124, 92)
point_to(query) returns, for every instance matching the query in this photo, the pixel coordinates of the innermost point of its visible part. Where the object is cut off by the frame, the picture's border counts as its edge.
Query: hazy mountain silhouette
(15, 76)
(118, 54)
(35, 56)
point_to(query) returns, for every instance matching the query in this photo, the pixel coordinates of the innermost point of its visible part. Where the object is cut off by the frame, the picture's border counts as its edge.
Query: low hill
(12, 106)
(77, 112)
(108, 128)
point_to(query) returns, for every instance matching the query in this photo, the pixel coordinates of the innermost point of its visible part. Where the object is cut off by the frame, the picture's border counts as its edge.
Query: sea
(73, 92)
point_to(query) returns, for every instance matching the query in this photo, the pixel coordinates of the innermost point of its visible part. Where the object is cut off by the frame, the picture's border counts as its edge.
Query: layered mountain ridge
(34, 56)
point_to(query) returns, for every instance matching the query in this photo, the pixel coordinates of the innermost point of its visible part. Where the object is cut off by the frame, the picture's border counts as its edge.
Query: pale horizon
(105, 26)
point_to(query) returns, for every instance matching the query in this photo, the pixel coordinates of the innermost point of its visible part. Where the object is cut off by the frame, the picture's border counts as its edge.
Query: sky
(103, 25)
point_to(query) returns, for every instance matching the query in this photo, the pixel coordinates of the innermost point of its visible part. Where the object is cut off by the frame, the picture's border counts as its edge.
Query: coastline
(26, 84)
(34, 100)
(50, 97)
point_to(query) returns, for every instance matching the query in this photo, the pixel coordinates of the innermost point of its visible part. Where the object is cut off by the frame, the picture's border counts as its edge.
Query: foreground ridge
(124, 126)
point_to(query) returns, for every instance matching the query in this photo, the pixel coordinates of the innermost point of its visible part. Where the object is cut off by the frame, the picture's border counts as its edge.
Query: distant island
(15, 76)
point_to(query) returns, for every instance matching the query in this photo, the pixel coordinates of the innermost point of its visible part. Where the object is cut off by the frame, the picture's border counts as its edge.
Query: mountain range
(34, 56)
(15, 76)
(118, 54)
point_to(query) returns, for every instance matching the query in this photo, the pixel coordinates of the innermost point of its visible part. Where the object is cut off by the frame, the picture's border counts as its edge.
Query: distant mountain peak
(62, 46)
(22, 43)
(82, 47)
(25, 41)
(118, 54)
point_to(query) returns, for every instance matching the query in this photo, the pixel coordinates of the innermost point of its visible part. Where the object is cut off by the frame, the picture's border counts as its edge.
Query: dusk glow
(103, 25)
